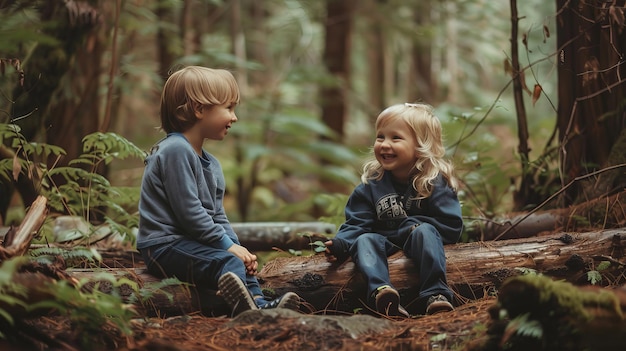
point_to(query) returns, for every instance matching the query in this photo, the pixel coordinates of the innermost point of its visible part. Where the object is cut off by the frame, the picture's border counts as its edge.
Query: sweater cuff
(224, 243)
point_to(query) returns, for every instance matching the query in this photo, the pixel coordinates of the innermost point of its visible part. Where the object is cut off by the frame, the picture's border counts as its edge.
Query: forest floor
(465, 328)
(285, 330)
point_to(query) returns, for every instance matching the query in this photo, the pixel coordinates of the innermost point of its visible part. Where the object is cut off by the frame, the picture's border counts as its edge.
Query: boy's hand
(329, 256)
(249, 259)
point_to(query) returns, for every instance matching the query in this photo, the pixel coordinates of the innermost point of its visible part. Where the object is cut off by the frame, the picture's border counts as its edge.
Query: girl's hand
(329, 257)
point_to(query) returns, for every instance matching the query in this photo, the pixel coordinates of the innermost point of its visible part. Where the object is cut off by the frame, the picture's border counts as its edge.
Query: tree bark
(473, 271)
(591, 87)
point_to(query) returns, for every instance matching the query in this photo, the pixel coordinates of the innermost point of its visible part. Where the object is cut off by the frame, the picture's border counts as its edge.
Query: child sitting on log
(183, 228)
(406, 201)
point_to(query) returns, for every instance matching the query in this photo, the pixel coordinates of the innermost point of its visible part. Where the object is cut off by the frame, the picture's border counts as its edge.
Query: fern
(522, 326)
(73, 256)
(150, 289)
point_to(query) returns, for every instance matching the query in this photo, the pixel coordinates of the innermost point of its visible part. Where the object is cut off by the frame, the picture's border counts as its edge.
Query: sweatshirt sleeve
(360, 216)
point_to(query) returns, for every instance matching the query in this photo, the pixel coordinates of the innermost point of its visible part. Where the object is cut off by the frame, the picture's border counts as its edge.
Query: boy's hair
(190, 88)
(430, 150)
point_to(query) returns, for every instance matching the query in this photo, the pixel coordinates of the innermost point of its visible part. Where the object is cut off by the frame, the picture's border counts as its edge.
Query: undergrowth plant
(78, 189)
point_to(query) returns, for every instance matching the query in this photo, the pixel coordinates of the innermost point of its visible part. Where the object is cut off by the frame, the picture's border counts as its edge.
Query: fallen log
(17, 241)
(474, 270)
(601, 212)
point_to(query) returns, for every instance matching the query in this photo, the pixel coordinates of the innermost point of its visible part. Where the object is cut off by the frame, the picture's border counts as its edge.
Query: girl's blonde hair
(430, 150)
(190, 88)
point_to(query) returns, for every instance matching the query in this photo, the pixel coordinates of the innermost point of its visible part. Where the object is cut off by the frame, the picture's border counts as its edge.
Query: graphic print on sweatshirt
(389, 209)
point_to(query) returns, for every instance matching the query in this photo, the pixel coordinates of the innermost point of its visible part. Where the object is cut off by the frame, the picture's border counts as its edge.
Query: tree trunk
(421, 85)
(376, 52)
(336, 58)
(591, 112)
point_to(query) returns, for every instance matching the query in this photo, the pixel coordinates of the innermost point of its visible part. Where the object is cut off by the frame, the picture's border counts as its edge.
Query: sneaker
(235, 293)
(438, 303)
(388, 302)
(290, 300)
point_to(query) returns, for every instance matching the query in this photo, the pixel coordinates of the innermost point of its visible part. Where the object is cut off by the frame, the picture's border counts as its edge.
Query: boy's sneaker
(438, 303)
(388, 302)
(290, 300)
(236, 294)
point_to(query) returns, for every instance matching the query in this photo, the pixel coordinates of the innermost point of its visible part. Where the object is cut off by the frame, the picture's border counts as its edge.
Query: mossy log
(537, 313)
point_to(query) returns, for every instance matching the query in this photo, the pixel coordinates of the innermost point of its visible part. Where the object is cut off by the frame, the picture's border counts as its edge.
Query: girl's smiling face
(395, 148)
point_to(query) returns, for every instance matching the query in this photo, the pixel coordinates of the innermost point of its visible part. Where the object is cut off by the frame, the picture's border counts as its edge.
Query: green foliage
(334, 205)
(279, 163)
(74, 257)
(10, 292)
(595, 276)
(150, 289)
(524, 326)
(318, 246)
(88, 308)
(78, 189)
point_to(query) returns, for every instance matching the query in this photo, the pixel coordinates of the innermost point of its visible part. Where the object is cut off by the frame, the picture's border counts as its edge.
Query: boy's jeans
(196, 263)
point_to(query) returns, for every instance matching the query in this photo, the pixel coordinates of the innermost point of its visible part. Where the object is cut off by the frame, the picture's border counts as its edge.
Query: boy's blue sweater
(389, 208)
(182, 196)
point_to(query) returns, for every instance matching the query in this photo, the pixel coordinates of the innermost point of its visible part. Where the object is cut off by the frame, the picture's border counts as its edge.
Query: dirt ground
(276, 330)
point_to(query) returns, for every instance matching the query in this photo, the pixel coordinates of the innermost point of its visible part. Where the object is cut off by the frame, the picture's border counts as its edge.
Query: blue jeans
(196, 263)
(423, 246)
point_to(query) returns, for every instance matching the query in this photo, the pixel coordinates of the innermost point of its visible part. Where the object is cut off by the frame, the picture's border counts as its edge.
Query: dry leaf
(17, 168)
(536, 93)
(507, 67)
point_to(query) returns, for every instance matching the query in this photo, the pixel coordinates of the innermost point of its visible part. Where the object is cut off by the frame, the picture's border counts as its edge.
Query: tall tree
(591, 90)
(336, 57)
(422, 85)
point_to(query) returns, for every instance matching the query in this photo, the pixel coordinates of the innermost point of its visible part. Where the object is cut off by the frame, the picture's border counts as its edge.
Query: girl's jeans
(423, 246)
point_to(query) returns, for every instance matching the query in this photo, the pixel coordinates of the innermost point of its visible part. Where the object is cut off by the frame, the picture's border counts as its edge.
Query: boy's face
(395, 149)
(216, 120)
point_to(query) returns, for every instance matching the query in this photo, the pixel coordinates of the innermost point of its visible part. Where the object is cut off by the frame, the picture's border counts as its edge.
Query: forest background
(524, 111)
(530, 94)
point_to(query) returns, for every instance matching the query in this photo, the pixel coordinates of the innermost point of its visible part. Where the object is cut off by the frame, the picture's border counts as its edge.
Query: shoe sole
(291, 301)
(236, 294)
(438, 307)
(387, 302)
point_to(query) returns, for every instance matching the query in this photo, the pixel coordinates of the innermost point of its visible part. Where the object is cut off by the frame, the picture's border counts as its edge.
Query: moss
(569, 299)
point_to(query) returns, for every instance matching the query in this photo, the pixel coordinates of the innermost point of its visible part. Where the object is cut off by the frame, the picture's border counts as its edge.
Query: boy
(183, 228)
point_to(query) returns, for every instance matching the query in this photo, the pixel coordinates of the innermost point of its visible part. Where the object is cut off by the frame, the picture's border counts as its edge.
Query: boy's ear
(197, 110)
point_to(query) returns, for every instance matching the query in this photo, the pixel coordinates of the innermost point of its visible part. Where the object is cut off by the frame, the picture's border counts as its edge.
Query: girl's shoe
(236, 294)
(438, 303)
(388, 302)
(290, 300)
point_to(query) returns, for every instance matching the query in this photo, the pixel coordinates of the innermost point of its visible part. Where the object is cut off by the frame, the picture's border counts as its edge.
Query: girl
(406, 201)
(183, 228)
